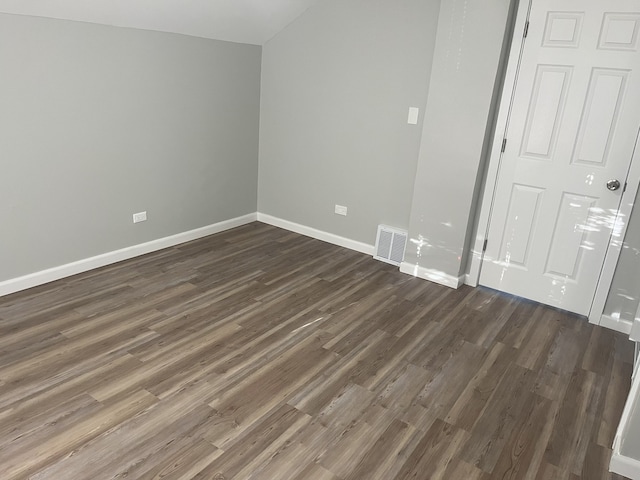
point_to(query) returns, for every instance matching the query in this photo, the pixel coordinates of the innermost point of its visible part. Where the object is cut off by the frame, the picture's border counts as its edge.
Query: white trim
(317, 234)
(617, 324)
(634, 335)
(56, 273)
(502, 122)
(620, 464)
(617, 237)
(470, 280)
(625, 466)
(432, 275)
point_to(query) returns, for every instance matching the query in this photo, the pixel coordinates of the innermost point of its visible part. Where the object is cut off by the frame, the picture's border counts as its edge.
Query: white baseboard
(432, 275)
(470, 280)
(617, 324)
(317, 234)
(56, 273)
(623, 465)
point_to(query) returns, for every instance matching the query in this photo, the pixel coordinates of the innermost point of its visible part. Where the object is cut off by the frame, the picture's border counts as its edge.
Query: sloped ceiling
(243, 21)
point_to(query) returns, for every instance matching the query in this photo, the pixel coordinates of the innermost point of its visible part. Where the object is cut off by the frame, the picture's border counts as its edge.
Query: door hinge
(526, 29)
(484, 245)
(624, 189)
(504, 145)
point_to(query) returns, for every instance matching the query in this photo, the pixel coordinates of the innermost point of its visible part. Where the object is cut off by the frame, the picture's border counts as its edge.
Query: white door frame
(486, 205)
(615, 247)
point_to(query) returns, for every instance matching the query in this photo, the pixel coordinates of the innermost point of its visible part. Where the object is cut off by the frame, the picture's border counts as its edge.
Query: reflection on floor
(262, 354)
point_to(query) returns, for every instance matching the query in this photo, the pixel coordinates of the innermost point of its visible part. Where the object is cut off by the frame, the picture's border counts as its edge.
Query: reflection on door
(574, 120)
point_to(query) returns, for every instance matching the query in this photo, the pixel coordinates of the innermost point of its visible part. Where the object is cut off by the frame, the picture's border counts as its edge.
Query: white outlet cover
(139, 217)
(341, 210)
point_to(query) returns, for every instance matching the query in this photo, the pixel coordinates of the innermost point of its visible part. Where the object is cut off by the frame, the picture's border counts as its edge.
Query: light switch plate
(413, 116)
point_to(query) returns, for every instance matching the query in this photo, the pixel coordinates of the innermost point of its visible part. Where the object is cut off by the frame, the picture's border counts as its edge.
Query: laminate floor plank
(258, 353)
(432, 456)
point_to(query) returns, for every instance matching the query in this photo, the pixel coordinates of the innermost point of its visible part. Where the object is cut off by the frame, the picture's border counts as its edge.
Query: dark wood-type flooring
(262, 354)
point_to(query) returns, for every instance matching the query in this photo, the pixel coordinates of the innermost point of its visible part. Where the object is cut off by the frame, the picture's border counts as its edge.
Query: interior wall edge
(618, 324)
(317, 234)
(42, 277)
(432, 275)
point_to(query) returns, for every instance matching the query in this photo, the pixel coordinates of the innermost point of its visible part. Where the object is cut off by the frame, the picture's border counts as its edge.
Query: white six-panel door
(574, 120)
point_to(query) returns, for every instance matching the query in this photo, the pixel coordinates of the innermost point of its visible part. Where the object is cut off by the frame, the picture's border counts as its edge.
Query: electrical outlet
(139, 217)
(341, 210)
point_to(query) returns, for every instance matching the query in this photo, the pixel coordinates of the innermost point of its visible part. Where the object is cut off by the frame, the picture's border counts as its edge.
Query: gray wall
(336, 87)
(462, 95)
(97, 123)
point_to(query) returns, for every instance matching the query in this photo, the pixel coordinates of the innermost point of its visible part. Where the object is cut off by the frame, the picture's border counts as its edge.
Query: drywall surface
(624, 295)
(97, 123)
(242, 21)
(337, 85)
(462, 91)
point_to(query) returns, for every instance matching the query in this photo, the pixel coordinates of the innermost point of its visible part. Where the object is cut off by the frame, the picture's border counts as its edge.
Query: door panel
(545, 111)
(574, 119)
(599, 120)
(562, 29)
(620, 31)
(524, 207)
(567, 241)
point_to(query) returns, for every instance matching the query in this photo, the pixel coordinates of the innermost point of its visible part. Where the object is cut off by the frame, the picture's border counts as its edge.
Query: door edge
(616, 240)
(476, 254)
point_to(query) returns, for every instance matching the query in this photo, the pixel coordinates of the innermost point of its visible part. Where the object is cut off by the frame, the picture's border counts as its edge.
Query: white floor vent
(390, 245)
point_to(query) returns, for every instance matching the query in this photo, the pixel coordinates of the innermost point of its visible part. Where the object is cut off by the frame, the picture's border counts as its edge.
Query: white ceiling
(243, 21)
